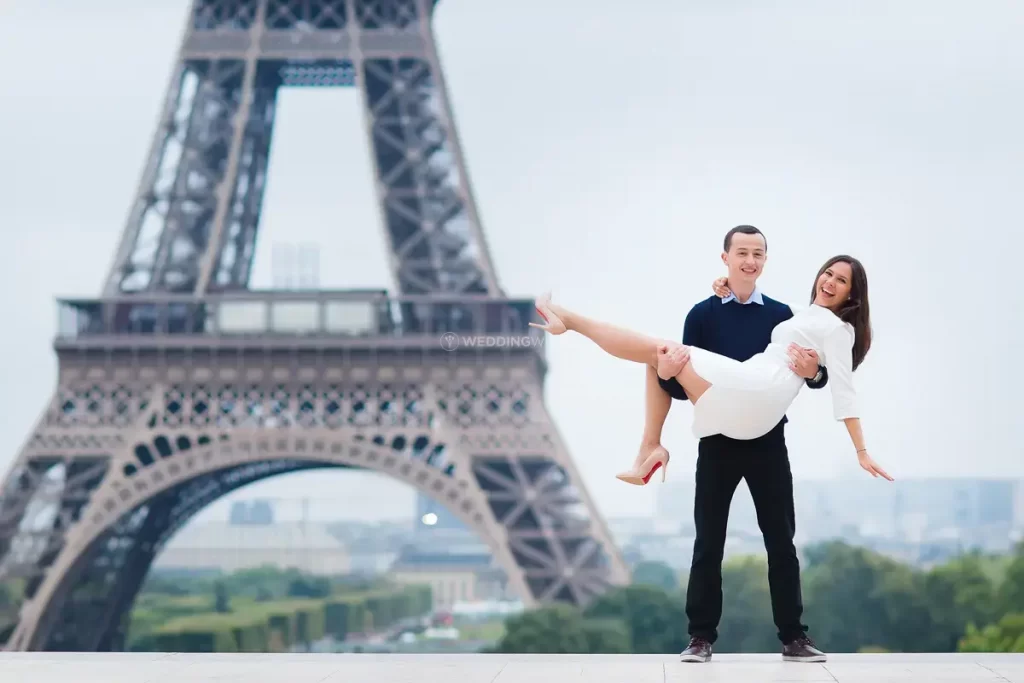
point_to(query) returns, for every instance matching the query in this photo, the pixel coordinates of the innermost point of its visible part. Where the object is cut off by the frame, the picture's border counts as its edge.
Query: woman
(746, 400)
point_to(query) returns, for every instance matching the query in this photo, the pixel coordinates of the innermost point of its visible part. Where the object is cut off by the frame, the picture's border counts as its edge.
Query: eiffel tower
(181, 384)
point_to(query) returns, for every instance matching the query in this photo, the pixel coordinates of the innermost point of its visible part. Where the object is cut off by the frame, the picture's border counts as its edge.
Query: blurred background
(610, 145)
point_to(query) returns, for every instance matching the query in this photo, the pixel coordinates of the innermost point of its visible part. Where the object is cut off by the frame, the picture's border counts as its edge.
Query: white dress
(747, 400)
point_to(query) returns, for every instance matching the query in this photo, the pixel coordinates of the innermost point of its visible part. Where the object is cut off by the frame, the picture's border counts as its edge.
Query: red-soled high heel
(554, 323)
(639, 476)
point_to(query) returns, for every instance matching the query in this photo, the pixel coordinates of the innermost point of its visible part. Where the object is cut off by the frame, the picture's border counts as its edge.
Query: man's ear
(725, 258)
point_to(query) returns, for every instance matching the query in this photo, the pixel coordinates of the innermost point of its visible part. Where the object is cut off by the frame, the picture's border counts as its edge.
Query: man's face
(745, 258)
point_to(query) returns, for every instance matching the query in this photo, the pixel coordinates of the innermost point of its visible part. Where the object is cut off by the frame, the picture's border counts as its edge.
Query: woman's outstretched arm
(839, 357)
(865, 460)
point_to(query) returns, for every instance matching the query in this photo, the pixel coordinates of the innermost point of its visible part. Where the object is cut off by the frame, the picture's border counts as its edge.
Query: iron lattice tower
(180, 384)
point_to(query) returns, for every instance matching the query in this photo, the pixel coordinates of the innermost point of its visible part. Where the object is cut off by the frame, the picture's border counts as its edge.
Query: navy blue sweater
(737, 331)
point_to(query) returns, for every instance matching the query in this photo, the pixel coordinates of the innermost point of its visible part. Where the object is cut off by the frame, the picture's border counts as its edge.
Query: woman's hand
(871, 466)
(721, 287)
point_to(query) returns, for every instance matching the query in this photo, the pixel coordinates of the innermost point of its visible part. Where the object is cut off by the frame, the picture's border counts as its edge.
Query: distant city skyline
(926, 521)
(608, 175)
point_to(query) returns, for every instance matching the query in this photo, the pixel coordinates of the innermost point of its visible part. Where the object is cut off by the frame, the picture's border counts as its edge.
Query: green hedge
(344, 616)
(278, 626)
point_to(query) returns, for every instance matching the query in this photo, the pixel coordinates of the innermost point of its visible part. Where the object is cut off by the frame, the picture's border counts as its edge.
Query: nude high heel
(554, 323)
(639, 476)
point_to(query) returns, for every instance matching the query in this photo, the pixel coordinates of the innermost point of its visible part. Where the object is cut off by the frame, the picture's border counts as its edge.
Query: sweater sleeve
(838, 349)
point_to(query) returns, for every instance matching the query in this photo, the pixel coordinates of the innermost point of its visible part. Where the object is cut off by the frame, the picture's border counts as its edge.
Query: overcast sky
(610, 147)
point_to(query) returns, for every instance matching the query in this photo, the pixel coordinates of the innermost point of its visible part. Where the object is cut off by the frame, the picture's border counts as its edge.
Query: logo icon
(449, 341)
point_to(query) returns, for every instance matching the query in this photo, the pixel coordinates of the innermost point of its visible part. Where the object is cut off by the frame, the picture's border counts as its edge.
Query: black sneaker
(802, 650)
(699, 650)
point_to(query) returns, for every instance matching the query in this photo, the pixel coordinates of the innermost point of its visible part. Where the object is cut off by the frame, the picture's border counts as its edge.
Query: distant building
(453, 578)
(674, 507)
(916, 519)
(372, 547)
(229, 547)
(252, 512)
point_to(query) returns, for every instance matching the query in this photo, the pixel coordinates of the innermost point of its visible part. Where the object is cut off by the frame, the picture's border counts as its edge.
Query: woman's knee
(665, 358)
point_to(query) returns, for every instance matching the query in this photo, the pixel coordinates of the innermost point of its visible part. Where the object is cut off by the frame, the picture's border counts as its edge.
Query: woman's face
(834, 286)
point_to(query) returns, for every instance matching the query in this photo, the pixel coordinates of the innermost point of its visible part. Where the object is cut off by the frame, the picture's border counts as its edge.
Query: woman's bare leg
(657, 403)
(617, 341)
(625, 344)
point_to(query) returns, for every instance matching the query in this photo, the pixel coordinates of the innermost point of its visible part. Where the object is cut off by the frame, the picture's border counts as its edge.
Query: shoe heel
(664, 471)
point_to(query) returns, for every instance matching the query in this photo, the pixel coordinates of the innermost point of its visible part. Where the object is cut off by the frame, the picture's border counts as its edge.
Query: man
(738, 326)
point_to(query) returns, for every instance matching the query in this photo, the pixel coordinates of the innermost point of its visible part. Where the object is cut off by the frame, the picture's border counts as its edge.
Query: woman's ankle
(566, 316)
(648, 444)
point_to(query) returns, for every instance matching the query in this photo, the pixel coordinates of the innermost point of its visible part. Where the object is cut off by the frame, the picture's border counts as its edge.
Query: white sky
(609, 148)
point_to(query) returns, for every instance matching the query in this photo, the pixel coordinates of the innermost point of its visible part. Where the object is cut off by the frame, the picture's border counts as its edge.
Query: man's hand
(671, 360)
(804, 362)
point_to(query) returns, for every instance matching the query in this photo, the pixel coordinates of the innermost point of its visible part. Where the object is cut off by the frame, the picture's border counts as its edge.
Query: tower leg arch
(83, 601)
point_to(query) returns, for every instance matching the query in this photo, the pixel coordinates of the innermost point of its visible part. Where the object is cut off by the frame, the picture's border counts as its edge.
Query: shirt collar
(755, 298)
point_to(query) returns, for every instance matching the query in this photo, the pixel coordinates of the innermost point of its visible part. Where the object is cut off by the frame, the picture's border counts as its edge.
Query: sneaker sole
(694, 659)
(816, 658)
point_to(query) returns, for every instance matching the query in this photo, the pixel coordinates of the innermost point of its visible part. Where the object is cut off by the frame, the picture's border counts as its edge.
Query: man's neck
(744, 292)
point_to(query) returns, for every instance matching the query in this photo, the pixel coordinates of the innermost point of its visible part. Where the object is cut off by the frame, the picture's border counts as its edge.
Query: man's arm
(820, 380)
(692, 336)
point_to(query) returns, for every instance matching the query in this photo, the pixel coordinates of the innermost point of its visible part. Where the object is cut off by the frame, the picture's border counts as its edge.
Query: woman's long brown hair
(856, 310)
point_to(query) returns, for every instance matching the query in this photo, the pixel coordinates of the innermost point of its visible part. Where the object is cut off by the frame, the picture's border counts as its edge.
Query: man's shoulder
(706, 303)
(776, 305)
(704, 306)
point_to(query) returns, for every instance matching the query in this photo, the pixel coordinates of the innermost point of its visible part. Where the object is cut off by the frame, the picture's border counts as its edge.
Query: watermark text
(450, 341)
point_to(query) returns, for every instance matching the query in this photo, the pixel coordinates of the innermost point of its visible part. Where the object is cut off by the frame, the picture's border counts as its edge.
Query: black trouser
(764, 463)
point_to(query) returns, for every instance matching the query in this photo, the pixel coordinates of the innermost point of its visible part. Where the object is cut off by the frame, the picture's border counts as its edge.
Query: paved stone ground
(395, 668)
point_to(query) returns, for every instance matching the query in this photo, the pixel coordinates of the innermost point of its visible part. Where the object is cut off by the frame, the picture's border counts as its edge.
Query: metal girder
(194, 222)
(99, 589)
(169, 234)
(179, 386)
(142, 441)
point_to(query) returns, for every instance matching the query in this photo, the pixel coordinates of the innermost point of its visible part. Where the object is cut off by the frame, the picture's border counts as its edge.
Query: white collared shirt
(755, 298)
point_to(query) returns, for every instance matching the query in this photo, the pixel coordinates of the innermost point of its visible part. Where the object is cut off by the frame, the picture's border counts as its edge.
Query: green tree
(221, 601)
(607, 636)
(161, 583)
(855, 597)
(1011, 590)
(747, 623)
(856, 600)
(959, 593)
(656, 574)
(558, 629)
(309, 587)
(656, 620)
(907, 622)
(838, 586)
(1005, 636)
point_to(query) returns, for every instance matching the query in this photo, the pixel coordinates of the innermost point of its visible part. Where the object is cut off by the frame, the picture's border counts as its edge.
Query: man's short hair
(745, 230)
